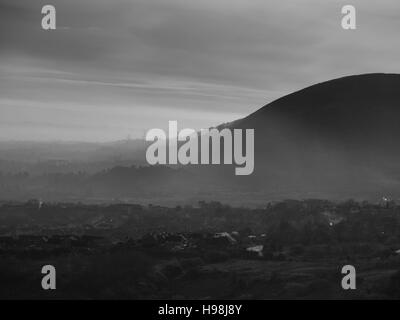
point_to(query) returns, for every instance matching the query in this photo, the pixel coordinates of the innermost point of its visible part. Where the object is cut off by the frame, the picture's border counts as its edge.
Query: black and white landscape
(76, 191)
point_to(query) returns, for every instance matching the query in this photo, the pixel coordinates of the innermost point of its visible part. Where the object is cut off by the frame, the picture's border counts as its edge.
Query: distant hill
(333, 140)
(62, 156)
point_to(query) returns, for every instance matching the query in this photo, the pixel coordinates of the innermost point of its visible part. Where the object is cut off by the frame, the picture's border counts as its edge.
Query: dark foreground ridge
(290, 249)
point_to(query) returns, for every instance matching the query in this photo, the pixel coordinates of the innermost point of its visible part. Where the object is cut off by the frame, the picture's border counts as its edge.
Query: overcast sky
(116, 68)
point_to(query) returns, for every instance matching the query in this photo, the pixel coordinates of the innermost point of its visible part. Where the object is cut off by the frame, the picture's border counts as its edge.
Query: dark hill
(334, 139)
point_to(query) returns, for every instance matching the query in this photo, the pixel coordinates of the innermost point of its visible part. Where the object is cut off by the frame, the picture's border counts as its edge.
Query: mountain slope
(336, 138)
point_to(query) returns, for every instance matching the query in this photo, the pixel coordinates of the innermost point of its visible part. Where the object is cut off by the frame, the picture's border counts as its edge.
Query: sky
(114, 69)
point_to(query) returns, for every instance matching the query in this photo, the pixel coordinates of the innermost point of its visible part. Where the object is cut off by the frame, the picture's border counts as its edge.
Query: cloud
(174, 58)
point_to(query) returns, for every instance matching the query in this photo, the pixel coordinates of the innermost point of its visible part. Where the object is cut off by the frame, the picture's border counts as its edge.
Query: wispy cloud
(199, 62)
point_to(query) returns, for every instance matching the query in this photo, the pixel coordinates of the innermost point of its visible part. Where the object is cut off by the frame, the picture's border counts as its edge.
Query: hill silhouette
(338, 138)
